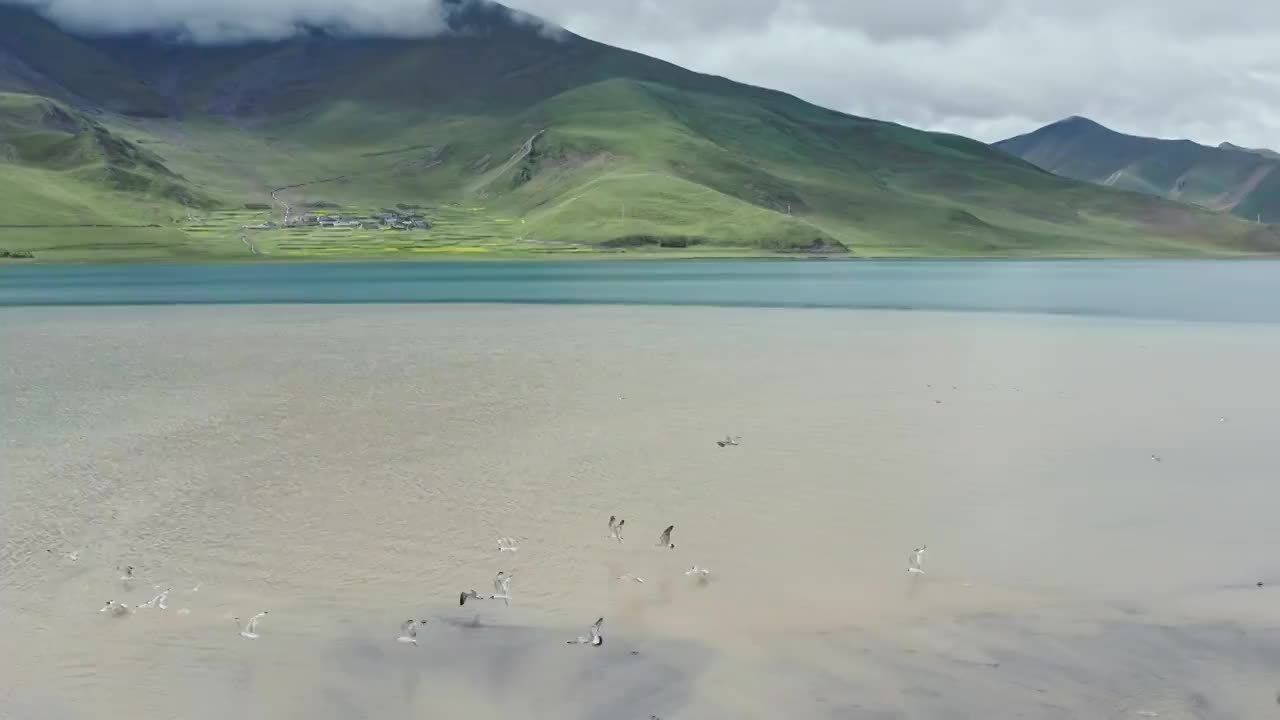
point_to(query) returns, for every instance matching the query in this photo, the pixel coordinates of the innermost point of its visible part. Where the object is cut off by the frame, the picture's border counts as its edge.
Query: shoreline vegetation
(13, 260)
(327, 232)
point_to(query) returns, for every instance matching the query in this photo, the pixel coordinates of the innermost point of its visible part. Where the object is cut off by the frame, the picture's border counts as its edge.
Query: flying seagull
(593, 638)
(729, 441)
(699, 572)
(916, 560)
(157, 601)
(615, 528)
(409, 631)
(665, 538)
(632, 578)
(463, 597)
(250, 630)
(1157, 458)
(502, 588)
(506, 544)
(115, 608)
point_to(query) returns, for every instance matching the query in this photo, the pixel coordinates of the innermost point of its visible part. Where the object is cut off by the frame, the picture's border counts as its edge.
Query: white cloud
(1204, 70)
(984, 68)
(221, 21)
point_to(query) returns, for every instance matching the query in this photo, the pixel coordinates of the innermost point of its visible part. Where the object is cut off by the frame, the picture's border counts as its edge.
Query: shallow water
(347, 467)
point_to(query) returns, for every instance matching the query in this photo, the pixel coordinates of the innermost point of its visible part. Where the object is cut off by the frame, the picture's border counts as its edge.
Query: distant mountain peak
(1264, 152)
(1078, 120)
(470, 16)
(1228, 177)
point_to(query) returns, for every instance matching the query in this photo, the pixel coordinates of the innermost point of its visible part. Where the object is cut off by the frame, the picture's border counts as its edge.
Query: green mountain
(508, 138)
(1227, 178)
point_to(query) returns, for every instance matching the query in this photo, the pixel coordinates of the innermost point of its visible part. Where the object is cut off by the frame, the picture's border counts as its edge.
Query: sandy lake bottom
(348, 467)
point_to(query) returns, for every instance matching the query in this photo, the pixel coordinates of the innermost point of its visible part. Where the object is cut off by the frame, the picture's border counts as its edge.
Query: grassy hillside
(62, 167)
(1225, 178)
(514, 142)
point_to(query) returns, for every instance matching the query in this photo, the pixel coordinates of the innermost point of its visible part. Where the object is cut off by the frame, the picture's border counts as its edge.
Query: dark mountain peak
(1078, 121)
(1062, 131)
(485, 17)
(1076, 124)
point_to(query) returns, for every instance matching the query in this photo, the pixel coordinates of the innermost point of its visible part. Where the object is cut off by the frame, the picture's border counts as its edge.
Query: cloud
(224, 21)
(984, 68)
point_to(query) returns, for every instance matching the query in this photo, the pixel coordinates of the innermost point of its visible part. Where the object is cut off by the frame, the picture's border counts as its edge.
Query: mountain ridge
(1256, 151)
(1225, 178)
(519, 139)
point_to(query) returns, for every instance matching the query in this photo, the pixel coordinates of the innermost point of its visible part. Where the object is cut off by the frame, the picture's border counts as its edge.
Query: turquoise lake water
(1186, 290)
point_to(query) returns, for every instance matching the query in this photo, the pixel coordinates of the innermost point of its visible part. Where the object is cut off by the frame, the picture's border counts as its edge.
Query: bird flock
(159, 601)
(501, 583)
(409, 628)
(502, 586)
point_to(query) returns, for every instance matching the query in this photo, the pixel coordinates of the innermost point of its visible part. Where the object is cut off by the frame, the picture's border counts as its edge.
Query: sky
(989, 69)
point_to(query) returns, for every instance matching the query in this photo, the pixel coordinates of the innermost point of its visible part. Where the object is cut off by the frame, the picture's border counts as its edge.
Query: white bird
(115, 608)
(1157, 458)
(729, 441)
(633, 578)
(506, 544)
(72, 556)
(615, 528)
(157, 601)
(916, 560)
(502, 588)
(594, 638)
(250, 629)
(665, 538)
(697, 571)
(409, 631)
(466, 595)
